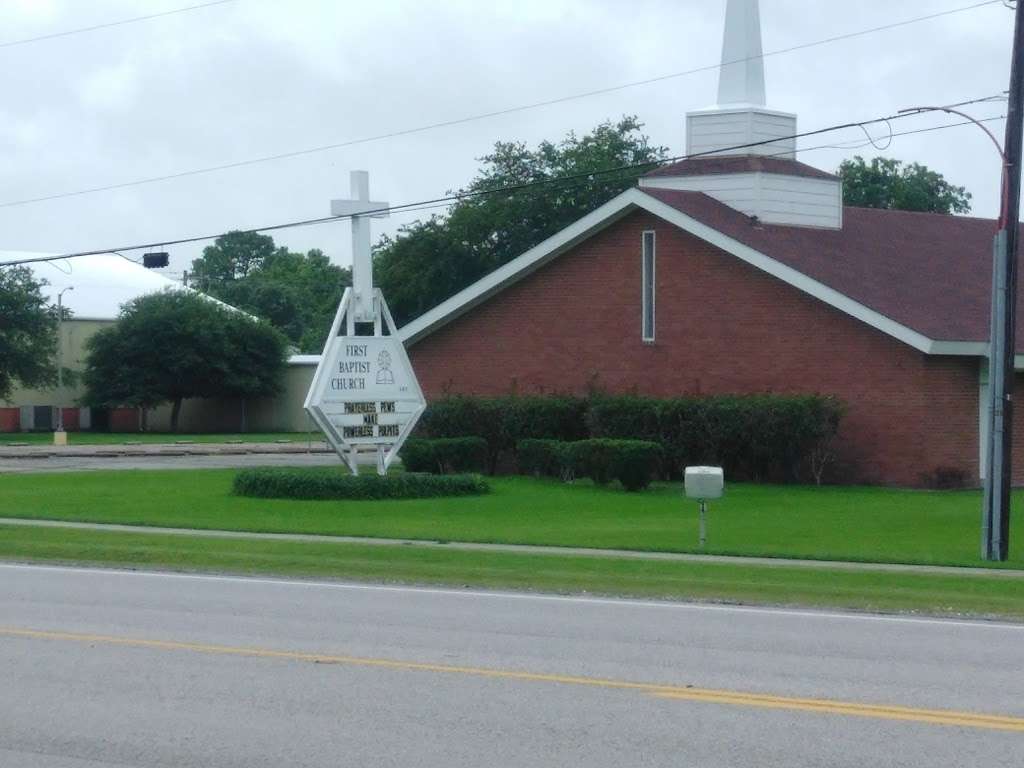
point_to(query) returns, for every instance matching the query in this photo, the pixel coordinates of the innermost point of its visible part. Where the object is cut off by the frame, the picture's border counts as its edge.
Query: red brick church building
(742, 272)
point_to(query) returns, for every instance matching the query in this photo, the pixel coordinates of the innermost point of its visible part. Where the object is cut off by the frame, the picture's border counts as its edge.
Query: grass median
(819, 587)
(862, 524)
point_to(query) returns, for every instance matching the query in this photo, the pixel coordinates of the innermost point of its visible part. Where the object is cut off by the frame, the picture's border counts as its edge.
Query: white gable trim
(517, 269)
(633, 199)
(787, 274)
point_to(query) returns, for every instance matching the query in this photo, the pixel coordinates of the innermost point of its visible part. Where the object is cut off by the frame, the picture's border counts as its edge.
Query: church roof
(931, 272)
(725, 164)
(102, 283)
(922, 278)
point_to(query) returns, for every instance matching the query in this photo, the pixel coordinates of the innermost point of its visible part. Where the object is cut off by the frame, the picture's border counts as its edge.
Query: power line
(447, 202)
(483, 115)
(588, 177)
(862, 144)
(107, 25)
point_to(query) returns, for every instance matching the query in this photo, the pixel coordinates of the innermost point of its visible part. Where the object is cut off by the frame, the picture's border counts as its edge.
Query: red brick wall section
(10, 419)
(722, 326)
(124, 420)
(71, 422)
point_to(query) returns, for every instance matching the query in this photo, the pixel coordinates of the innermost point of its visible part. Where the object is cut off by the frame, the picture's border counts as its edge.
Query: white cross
(359, 208)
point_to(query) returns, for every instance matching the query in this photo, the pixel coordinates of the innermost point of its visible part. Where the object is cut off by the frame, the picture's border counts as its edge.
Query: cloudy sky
(251, 78)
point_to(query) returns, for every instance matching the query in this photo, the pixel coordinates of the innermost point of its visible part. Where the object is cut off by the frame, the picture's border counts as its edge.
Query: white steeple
(740, 118)
(741, 79)
(743, 154)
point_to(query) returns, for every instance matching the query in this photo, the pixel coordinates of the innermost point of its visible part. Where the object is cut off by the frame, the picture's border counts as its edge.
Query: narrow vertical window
(647, 290)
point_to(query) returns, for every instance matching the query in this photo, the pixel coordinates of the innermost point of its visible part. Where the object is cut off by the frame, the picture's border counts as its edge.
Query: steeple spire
(741, 80)
(740, 124)
(740, 152)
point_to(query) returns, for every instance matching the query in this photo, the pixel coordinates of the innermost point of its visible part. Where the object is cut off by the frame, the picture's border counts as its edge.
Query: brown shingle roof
(719, 164)
(929, 272)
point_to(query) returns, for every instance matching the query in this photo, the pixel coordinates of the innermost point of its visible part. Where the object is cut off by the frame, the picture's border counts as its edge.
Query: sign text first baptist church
(371, 392)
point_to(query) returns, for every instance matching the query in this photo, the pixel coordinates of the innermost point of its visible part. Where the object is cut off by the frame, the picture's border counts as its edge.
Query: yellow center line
(677, 692)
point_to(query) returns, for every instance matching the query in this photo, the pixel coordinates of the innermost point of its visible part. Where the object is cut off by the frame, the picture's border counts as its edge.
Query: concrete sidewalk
(529, 549)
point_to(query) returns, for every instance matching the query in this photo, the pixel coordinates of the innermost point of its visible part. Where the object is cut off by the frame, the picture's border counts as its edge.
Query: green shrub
(504, 421)
(417, 455)
(461, 454)
(765, 437)
(754, 437)
(334, 483)
(634, 463)
(445, 456)
(592, 458)
(544, 458)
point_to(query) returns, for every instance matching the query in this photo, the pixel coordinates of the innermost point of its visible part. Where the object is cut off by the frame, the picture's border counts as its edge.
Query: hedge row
(634, 463)
(445, 456)
(503, 421)
(332, 483)
(754, 437)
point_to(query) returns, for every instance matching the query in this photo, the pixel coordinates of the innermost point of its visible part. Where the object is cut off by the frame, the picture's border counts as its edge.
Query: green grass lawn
(927, 593)
(120, 438)
(868, 524)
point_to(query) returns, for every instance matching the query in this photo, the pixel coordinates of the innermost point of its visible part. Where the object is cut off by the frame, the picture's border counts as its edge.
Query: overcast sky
(251, 78)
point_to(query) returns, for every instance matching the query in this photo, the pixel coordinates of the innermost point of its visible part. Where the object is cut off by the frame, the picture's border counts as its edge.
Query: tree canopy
(888, 183)
(174, 345)
(231, 257)
(430, 260)
(297, 293)
(28, 332)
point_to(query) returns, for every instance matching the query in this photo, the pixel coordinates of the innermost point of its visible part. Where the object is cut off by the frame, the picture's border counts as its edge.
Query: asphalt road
(104, 668)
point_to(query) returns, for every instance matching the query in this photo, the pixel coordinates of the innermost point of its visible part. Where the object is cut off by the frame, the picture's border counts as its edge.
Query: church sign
(365, 396)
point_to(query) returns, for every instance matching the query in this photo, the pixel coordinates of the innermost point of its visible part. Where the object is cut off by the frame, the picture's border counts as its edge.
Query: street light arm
(965, 116)
(1004, 202)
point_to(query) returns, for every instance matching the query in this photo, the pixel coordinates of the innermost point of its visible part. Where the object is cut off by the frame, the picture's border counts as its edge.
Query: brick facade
(72, 419)
(10, 419)
(124, 420)
(722, 326)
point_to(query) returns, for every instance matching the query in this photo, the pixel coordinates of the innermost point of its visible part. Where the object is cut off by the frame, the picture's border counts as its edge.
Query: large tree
(231, 257)
(28, 332)
(174, 345)
(431, 260)
(888, 183)
(297, 293)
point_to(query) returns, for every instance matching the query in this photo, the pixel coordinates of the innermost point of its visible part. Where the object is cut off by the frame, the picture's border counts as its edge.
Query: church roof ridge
(723, 164)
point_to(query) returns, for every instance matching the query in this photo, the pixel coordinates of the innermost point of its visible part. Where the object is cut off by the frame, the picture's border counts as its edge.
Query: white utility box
(704, 483)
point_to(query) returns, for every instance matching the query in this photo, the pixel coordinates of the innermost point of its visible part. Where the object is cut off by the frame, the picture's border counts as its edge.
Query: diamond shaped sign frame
(364, 395)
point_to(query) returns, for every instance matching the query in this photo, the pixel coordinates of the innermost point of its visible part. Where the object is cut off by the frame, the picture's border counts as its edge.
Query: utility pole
(999, 475)
(59, 432)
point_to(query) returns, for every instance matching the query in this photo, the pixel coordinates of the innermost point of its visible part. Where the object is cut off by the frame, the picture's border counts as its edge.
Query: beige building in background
(94, 288)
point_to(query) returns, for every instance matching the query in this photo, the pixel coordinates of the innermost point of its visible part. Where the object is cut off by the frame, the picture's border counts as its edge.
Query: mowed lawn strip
(155, 438)
(819, 587)
(860, 524)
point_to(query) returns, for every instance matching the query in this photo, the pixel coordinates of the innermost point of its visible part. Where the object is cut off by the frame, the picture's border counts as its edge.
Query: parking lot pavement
(77, 463)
